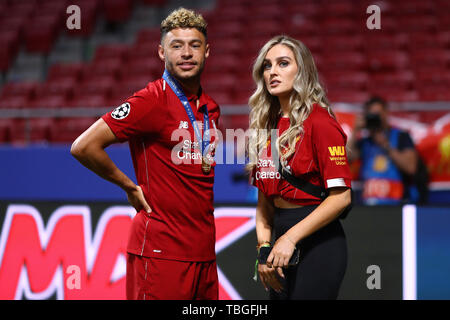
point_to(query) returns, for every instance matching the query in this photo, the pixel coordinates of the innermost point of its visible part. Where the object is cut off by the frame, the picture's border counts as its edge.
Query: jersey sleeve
(329, 142)
(138, 115)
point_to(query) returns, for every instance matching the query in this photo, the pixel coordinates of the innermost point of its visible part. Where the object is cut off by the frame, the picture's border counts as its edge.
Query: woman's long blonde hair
(265, 108)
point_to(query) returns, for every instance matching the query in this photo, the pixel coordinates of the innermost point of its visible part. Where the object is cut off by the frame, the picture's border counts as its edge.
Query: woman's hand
(268, 277)
(281, 252)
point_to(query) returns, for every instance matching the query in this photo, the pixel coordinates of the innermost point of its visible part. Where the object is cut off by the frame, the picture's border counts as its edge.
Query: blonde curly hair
(183, 18)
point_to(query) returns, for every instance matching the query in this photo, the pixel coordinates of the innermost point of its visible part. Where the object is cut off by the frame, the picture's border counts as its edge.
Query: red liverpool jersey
(167, 163)
(319, 158)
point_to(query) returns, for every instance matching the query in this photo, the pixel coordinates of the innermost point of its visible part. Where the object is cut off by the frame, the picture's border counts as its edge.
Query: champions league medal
(204, 142)
(209, 157)
(206, 167)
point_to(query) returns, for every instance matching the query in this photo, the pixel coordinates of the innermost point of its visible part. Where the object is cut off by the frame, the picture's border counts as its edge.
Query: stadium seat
(442, 5)
(231, 12)
(355, 80)
(271, 11)
(338, 43)
(434, 93)
(395, 95)
(102, 68)
(9, 46)
(22, 8)
(387, 61)
(375, 42)
(117, 10)
(230, 30)
(416, 7)
(241, 95)
(221, 97)
(135, 81)
(26, 89)
(431, 58)
(221, 63)
(126, 88)
(52, 10)
(424, 41)
(13, 24)
(339, 9)
(98, 85)
(14, 102)
(143, 51)
(337, 25)
(149, 67)
(6, 56)
(155, 3)
(4, 130)
(85, 100)
(299, 26)
(23, 131)
(351, 96)
(434, 79)
(444, 20)
(218, 82)
(415, 23)
(443, 37)
(40, 39)
(54, 6)
(148, 35)
(298, 9)
(120, 95)
(263, 27)
(66, 130)
(63, 86)
(65, 70)
(224, 46)
(344, 61)
(393, 80)
(314, 44)
(54, 101)
(110, 51)
(252, 45)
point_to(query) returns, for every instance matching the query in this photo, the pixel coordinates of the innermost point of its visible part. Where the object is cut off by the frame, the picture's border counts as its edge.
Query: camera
(373, 121)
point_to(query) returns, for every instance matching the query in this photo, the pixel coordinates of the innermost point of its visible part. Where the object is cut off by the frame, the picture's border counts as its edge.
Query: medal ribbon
(176, 88)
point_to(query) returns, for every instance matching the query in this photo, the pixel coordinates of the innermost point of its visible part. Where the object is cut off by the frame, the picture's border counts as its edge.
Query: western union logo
(336, 151)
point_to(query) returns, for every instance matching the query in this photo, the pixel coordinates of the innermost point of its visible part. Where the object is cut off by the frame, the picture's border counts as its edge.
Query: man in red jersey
(171, 246)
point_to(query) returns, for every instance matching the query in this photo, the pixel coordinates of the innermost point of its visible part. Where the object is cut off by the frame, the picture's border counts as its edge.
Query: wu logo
(336, 151)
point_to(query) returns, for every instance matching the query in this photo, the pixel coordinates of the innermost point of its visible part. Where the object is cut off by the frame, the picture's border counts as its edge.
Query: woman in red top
(310, 145)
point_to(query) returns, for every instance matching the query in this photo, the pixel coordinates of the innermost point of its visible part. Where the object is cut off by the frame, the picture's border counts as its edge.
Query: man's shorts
(161, 279)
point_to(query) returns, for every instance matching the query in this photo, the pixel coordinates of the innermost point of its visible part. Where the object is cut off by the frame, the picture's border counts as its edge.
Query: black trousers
(323, 259)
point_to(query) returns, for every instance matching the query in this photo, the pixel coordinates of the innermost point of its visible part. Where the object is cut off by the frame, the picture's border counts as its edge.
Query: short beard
(196, 77)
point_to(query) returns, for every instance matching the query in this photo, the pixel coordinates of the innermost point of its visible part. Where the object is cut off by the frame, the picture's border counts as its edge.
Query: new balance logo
(336, 151)
(183, 125)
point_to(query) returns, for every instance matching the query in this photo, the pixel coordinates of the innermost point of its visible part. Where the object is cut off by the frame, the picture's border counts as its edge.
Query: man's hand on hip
(137, 200)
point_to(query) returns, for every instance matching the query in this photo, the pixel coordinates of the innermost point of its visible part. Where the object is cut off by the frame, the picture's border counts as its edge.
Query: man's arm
(89, 150)
(406, 160)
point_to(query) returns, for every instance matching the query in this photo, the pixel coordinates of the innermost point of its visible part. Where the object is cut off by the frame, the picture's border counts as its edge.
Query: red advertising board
(64, 258)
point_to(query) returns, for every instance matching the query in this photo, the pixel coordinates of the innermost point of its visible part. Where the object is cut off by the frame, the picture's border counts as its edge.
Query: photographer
(388, 157)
